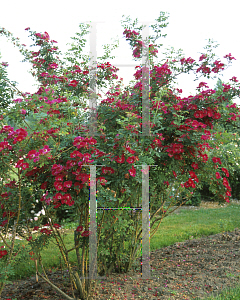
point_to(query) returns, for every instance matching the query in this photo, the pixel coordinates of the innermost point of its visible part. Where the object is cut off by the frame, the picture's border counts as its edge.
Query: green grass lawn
(174, 228)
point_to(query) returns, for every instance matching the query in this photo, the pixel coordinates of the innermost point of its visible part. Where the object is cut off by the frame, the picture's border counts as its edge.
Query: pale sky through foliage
(190, 26)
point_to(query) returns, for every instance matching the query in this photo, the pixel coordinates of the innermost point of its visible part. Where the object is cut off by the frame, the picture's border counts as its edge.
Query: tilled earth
(194, 269)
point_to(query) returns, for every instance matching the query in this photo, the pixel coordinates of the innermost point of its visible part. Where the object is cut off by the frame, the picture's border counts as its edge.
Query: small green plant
(230, 275)
(172, 292)
(6, 272)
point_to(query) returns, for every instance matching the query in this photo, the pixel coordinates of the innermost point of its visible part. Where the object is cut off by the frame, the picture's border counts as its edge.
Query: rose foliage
(50, 146)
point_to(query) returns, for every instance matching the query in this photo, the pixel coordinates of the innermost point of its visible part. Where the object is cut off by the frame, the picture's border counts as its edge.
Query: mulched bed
(193, 269)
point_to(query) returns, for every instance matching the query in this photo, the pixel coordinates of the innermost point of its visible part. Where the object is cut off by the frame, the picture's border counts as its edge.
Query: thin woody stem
(65, 257)
(56, 288)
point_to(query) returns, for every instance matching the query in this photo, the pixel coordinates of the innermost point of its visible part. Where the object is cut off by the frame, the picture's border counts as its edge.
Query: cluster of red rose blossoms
(20, 134)
(175, 149)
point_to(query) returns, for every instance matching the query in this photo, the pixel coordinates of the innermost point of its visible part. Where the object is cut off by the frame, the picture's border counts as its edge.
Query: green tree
(6, 87)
